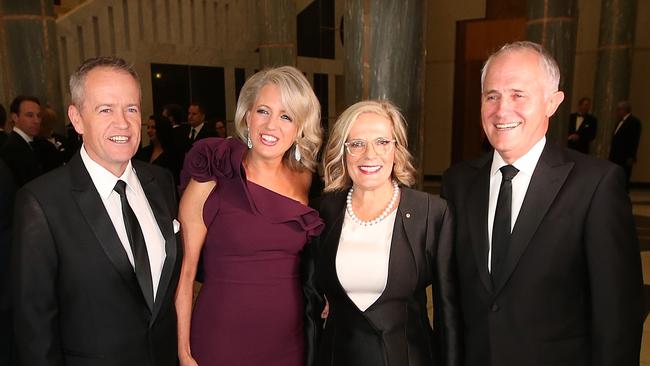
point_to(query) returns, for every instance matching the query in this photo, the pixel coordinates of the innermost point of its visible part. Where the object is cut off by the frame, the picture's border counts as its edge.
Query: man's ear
(75, 117)
(14, 118)
(553, 103)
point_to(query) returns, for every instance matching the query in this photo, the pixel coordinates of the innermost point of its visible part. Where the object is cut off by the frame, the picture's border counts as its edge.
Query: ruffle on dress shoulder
(212, 158)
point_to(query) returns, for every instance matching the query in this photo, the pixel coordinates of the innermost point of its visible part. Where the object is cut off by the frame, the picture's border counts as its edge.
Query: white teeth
(507, 126)
(119, 139)
(269, 138)
(370, 169)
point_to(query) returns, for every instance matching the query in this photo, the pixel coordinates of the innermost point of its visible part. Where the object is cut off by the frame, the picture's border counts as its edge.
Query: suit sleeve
(34, 268)
(314, 301)
(440, 238)
(614, 266)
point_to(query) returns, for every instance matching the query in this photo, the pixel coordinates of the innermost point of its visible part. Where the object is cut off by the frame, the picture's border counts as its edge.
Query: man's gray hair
(546, 60)
(78, 78)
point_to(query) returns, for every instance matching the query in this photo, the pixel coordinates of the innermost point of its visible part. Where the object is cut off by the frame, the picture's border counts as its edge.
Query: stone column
(615, 42)
(277, 32)
(29, 62)
(553, 24)
(384, 59)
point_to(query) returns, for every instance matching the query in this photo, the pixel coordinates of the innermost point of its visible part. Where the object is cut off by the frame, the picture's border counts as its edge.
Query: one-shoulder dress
(250, 308)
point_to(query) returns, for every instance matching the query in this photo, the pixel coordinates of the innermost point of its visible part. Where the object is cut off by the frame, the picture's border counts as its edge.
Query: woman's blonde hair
(298, 99)
(334, 166)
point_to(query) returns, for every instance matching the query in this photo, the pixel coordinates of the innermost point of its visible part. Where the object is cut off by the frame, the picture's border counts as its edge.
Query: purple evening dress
(250, 308)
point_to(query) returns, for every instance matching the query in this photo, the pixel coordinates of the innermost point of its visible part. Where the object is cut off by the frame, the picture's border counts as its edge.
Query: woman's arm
(193, 232)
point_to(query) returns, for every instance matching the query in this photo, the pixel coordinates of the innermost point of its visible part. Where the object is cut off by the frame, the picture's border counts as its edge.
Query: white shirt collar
(526, 164)
(103, 179)
(197, 128)
(22, 134)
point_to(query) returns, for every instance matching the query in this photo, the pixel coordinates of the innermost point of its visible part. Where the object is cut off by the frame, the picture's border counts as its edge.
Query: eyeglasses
(381, 145)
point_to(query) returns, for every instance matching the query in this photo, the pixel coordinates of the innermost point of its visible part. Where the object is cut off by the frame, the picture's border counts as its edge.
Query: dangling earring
(249, 142)
(296, 153)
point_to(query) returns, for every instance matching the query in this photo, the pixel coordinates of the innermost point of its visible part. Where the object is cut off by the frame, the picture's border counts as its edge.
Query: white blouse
(362, 259)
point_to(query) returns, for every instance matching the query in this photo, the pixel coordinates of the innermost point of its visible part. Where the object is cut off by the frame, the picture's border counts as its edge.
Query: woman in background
(160, 149)
(384, 243)
(246, 199)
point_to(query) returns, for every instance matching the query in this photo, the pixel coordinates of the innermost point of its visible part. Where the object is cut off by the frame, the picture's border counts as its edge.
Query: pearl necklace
(387, 210)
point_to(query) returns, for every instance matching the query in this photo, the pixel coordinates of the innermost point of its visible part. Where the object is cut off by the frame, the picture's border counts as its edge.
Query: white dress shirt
(22, 134)
(526, 165)
(362, 259)
(104, 182)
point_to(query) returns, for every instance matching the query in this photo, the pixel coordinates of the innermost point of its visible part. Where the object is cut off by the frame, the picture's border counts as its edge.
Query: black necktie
(138, 246)
(502, 221)
(192, 134)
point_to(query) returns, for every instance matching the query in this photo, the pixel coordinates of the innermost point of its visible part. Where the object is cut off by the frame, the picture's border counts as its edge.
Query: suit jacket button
(494, 307)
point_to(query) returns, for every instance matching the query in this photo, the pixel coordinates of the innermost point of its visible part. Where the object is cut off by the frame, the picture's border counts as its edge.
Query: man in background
(582, 127)
(625, 141)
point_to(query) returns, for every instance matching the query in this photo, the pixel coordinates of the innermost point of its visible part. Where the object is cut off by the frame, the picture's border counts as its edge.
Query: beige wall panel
(438, 109)
(639, 97)
(442, 16)
(584, 73)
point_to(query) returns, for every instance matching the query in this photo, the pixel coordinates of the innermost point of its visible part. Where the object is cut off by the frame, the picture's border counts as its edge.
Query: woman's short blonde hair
(301, 104)
(334, 166)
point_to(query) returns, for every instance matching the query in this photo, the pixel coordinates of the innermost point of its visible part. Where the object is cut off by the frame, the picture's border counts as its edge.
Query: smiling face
(370, 170)
(109, 118)
(516, 103)
(270, 127)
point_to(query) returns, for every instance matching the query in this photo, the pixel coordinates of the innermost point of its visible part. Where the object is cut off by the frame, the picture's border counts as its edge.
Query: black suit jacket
(571, 293)
(7, 193)
(625, 142)
(182, 133)
(587, 132)
(395, 330)
(22, 160)
(76, 296)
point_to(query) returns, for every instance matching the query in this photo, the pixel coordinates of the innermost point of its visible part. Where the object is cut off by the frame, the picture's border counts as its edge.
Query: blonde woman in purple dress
(245, 206)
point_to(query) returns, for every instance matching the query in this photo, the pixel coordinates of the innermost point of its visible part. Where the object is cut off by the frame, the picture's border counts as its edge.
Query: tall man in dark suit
(625, 141)
(19, 150)
(96, 258)
(582, 127)
(546, 247)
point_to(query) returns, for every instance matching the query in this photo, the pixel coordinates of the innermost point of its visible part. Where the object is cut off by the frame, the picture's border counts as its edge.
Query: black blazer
(21, 159)
(76, 296)
(395, 330)
(587, 132)
(7, 193)
(571, 293)
(625, 142)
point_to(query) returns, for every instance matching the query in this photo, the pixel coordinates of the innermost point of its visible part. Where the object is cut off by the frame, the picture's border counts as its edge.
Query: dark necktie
(502, 221)
(192, 134)
(138, 246)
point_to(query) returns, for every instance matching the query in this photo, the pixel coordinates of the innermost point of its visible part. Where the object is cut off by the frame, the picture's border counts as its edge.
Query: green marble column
(384, 59)
(553, 24)
(277, 31)
(29, 62)
(615, 42)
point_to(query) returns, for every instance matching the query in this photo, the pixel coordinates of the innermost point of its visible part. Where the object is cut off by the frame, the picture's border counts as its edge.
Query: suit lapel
(412, 220)
(477, 211)
(549, 176)
(164, 221)
(93, 210)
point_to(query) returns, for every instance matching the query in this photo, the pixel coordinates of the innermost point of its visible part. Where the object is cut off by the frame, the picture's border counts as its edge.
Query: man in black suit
(546, 247)
(19, 150)
(582, 127)
(625, 141)
(96, 257)
(197, 126)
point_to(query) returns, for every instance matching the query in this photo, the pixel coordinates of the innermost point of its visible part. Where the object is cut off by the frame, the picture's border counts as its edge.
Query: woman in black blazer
(383, 245)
